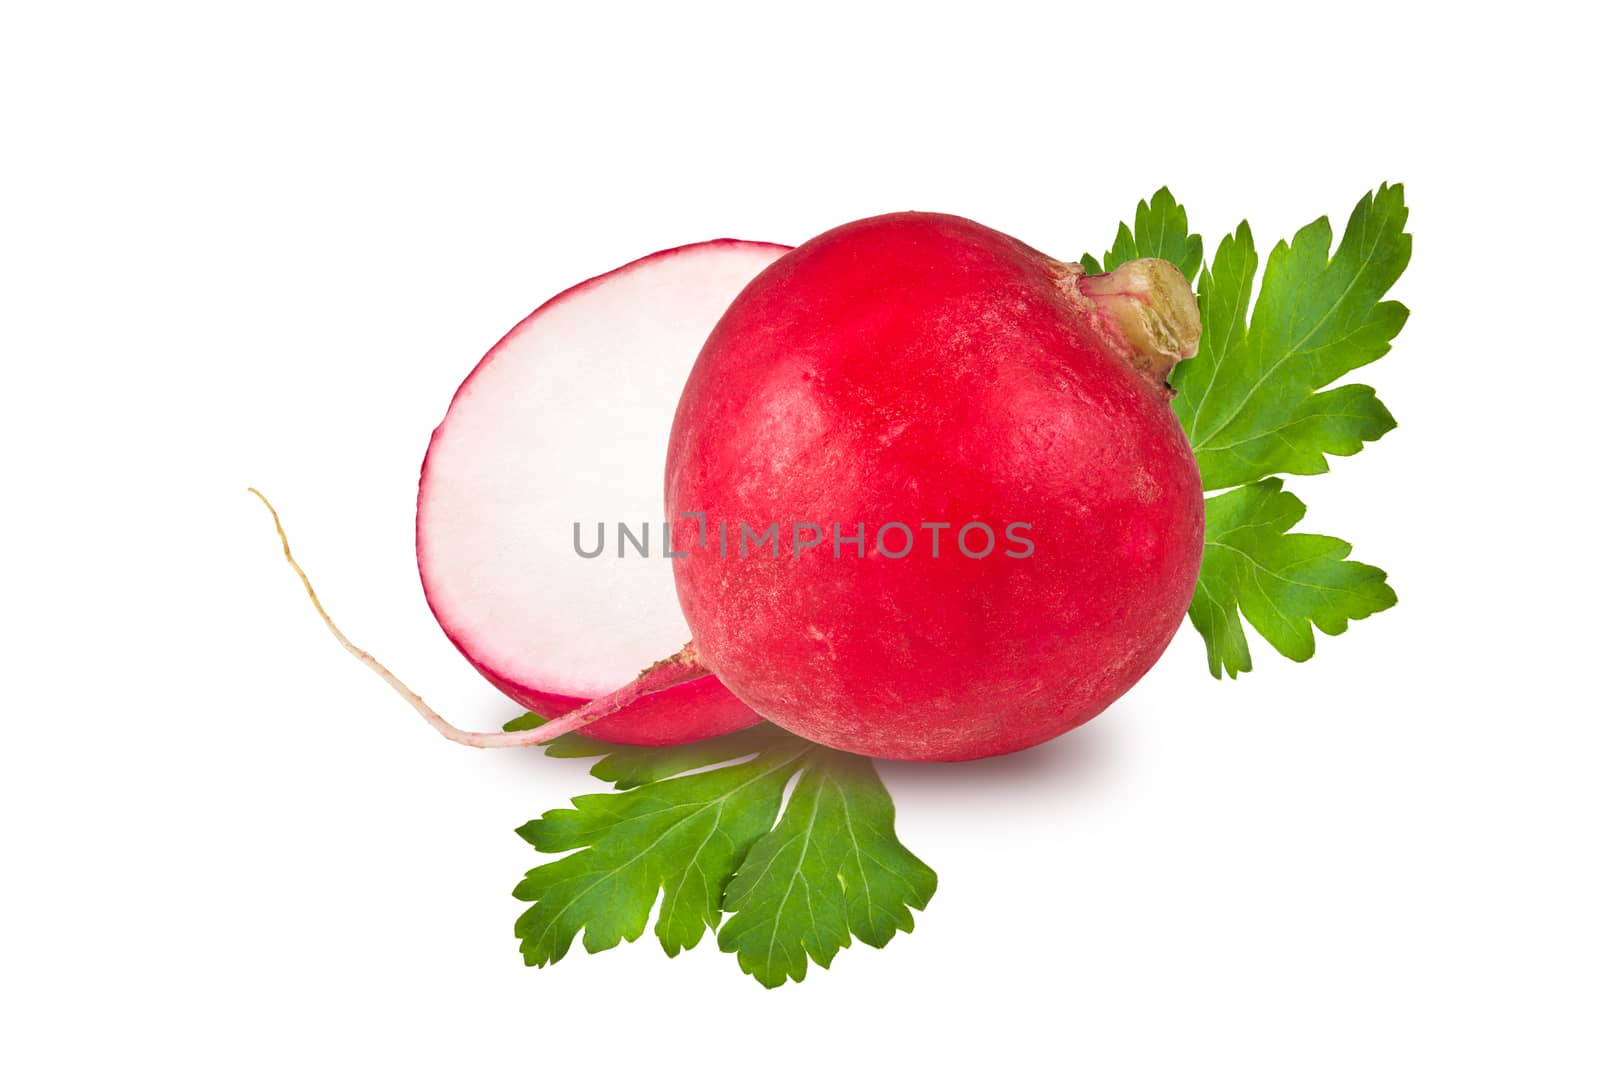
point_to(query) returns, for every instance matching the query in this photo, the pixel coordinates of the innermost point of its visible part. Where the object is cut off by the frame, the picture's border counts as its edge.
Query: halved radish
(566, 421)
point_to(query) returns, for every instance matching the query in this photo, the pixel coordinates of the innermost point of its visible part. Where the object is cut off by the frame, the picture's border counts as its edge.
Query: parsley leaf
(704, 841)
(1160, 229)
(1252, 399)
(1282, 582)
(1253, 405)
(832, 867)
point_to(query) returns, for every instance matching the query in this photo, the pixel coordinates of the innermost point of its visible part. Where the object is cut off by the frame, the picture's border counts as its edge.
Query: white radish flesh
(566, 420)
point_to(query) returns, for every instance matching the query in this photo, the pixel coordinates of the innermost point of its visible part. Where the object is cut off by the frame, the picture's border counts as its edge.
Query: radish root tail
(680, 668)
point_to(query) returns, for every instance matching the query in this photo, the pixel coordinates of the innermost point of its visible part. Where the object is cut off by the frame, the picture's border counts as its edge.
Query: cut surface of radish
(565, 421)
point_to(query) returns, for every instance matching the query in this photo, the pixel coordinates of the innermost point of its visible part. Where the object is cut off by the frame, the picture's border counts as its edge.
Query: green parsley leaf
(1253, 405)
(832, 867)
(704, 841)
(1160, 229)
(1282, 582)
(1251, 400)
(630, 767)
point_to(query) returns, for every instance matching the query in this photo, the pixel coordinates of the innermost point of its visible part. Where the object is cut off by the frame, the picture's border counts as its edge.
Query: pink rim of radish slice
(566, 420)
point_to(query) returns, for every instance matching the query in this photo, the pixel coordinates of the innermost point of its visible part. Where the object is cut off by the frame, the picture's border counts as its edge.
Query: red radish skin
(566, 419)
(696, 709)
(923, 368)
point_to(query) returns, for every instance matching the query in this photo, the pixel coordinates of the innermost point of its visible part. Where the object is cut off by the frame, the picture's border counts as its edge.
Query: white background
(263, 246)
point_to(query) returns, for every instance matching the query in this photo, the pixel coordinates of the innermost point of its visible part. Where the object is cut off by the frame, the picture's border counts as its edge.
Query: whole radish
(1010, 516)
